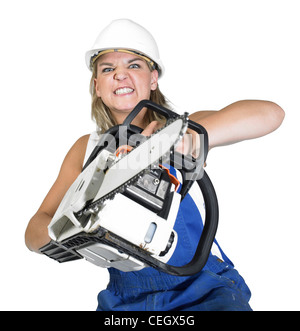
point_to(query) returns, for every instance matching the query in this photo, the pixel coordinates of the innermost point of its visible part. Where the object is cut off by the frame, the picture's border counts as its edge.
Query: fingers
(151, 128)
(185, 146)
(190, 144)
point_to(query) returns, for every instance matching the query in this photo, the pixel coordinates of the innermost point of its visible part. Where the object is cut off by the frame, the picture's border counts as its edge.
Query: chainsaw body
(120, 213)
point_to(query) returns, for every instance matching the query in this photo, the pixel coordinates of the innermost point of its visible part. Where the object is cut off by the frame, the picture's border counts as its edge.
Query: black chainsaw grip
(208, 234)
(168, 114)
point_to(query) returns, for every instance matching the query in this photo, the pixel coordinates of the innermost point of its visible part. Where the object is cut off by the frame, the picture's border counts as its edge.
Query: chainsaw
(121, 210)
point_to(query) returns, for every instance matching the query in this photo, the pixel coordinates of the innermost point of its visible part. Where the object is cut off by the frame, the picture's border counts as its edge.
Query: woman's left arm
(240, 121)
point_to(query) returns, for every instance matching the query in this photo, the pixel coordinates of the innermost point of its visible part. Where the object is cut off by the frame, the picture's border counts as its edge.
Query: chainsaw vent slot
(79, 187)
(58, 253)
(150, 233)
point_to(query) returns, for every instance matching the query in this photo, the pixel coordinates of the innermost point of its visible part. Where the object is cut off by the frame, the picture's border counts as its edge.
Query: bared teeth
(123, 90)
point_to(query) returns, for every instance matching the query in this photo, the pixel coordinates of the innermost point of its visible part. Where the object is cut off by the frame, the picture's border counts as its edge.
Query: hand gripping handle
(168, 114)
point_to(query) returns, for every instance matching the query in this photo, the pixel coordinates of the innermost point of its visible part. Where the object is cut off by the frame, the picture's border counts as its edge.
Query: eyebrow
(135, 59)
(105, 64)
(130, 61)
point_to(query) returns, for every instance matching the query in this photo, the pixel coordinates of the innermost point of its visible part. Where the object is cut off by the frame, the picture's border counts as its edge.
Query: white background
(215, 52)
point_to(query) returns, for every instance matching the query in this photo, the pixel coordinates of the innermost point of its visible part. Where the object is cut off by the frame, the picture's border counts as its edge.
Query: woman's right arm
(36, 235)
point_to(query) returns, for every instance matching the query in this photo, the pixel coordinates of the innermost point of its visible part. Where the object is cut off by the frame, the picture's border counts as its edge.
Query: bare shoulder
(70, 169)
(72, 164)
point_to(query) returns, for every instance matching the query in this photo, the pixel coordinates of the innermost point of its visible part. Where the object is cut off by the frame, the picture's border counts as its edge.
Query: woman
(126, 67)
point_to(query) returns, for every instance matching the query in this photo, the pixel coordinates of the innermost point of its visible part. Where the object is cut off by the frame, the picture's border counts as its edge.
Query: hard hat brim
(97, 52)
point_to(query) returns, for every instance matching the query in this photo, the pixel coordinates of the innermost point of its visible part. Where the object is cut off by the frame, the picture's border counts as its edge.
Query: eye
(134, 66)
(107, 70)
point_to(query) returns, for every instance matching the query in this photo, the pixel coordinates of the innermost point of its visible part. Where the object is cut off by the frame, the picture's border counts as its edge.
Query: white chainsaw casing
(143, 228)
(120, 215)
(64, 224)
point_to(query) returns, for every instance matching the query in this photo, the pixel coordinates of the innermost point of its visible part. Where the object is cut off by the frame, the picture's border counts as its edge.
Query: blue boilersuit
(218, 287)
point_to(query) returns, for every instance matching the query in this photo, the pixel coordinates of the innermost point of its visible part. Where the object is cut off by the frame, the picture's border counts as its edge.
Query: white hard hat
(124, 34)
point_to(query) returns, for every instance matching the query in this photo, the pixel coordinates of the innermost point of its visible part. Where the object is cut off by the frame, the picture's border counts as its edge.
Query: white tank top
(93, 140)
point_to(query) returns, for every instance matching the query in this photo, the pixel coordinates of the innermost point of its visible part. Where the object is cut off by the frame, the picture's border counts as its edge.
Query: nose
(120, 74)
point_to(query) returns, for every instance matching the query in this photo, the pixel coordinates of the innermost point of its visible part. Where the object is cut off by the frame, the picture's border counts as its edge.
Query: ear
(154, 79)
(96, 87)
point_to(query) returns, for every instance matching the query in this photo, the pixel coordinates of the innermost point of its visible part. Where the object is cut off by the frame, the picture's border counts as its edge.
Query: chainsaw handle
(168, 114)
(208, 234)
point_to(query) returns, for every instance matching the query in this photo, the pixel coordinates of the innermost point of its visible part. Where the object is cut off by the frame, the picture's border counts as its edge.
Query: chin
(126, 106)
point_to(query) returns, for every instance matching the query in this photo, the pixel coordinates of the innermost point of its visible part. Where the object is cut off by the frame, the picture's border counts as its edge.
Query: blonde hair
(102, 115)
